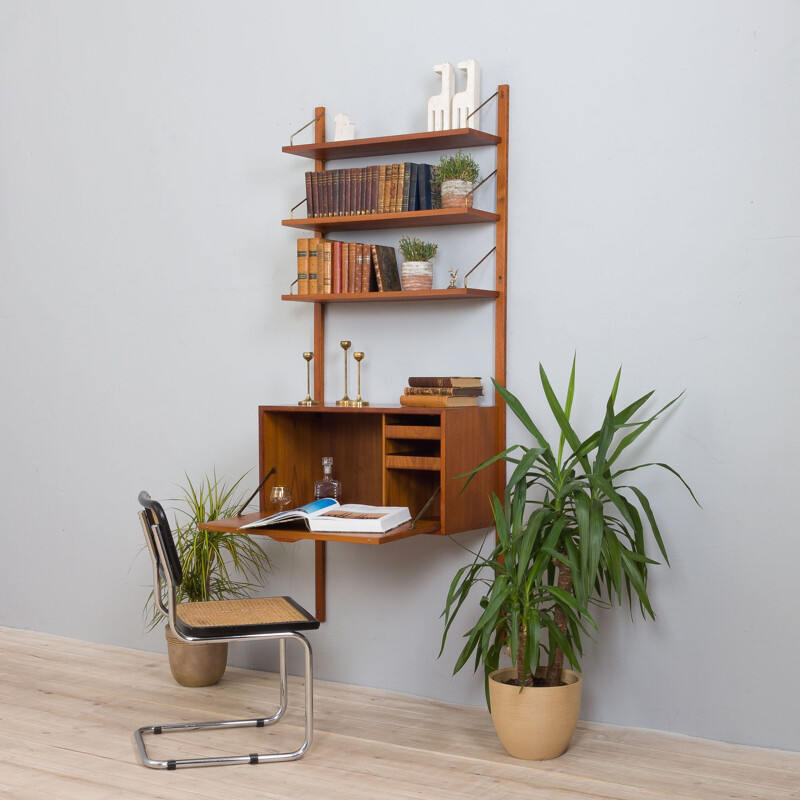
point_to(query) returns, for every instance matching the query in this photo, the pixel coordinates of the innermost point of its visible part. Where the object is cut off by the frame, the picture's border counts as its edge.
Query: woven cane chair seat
(242, 617)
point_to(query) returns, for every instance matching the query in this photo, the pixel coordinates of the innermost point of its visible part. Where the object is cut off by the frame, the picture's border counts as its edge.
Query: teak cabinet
(394, 455)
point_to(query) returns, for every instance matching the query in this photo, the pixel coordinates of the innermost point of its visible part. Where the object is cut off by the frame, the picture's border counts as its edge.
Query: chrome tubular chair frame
(167, 570)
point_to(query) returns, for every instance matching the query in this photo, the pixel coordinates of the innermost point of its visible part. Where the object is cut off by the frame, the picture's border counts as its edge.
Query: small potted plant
(583, 543)
(417, 268)
(458, 175)
(207, 575)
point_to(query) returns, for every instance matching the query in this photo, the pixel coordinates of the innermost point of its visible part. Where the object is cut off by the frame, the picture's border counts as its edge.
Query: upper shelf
(393, 145)
(403, 219)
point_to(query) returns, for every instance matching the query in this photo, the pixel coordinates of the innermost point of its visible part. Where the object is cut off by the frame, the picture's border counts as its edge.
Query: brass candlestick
(358, 402)
(308, 400)
(345, 401)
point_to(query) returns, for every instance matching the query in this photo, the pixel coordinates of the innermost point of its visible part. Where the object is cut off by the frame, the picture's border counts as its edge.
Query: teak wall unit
(394, 455)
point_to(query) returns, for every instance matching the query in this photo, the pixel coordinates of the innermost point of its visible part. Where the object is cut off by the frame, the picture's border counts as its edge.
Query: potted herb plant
(216, 566)
(416, 271)
(582, 543)
(458, 175)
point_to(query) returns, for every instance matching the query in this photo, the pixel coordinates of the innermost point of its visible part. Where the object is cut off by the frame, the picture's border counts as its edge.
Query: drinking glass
(280, 496)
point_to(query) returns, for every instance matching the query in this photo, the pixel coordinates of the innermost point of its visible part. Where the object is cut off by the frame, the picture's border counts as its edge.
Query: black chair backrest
(156, 515)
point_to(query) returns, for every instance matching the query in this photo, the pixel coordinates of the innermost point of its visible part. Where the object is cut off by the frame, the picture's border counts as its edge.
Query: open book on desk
(328, 515)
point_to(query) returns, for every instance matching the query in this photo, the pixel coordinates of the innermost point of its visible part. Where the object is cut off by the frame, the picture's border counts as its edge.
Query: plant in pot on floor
(458, 175)
(583, 543)
(416, 271)
(216, 566)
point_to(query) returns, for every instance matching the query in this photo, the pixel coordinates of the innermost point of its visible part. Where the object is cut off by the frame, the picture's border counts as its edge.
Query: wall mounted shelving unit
(393, 455)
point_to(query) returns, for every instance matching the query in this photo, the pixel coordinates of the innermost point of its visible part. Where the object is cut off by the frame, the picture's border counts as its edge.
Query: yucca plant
(570, 532)
(216, 565)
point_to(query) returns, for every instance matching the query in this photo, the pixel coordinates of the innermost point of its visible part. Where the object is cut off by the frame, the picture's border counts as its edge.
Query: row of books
(376, 189)
(442, 392)
(325, 266)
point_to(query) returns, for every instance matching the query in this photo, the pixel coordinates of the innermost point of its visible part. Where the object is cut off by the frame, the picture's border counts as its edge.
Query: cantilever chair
(262, 619)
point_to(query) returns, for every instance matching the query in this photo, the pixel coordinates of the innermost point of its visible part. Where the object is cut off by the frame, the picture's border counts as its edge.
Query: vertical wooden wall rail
(319, 308)
(501, 304)
(319, 385)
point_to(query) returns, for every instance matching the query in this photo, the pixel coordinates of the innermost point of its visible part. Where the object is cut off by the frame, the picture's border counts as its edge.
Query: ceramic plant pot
(196, 664)
(456, 194)
(416, 275)
(537, 723)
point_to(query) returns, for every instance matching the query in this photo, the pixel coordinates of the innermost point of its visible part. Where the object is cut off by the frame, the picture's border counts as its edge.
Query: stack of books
(442, 392)
(329, 267)
(384, 189)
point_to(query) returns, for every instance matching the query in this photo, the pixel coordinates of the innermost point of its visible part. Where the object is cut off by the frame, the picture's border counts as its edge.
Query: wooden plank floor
(68, 710)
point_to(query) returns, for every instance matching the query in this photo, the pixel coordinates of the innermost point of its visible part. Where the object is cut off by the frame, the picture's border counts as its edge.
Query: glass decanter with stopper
(327, 486)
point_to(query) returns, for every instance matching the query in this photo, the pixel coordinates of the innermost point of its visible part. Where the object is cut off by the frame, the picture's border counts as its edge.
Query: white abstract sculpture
(464, 103)
(440, 105)
(345, 128)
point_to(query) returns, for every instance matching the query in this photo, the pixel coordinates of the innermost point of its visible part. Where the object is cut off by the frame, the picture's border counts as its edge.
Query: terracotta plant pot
(196, 664)
(456, 194)
(416, 275)
(537, 723)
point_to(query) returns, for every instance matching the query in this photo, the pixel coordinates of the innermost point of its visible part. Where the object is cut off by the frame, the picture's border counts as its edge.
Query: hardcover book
(336, 268)
(309, 196)
(449, 391)
(386, 272)
(365, 268)
(436, 401)
(406, 172)
(445, 382)
(335, 179)
(424, 187)
(362, 206)
(327, 267)
(351, 266)
(382, 189)
(313, 265)
(373, 189)
(357, 279)
(328, 515)
(316, 193)
(302, 266)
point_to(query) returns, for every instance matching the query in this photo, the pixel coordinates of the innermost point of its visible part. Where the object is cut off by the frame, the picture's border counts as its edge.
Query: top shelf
(392, 145)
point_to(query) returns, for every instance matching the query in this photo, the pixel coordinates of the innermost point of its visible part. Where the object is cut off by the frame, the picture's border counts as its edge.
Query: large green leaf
(560, 416)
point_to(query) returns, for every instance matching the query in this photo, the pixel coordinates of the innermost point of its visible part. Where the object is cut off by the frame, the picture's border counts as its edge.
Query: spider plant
(582, 543)
(216, 566)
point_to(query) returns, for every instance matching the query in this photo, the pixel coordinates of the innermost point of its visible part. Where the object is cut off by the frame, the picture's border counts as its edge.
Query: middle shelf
(397, 219)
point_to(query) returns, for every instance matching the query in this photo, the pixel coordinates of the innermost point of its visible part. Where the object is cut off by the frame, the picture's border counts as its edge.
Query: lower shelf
(296, 534)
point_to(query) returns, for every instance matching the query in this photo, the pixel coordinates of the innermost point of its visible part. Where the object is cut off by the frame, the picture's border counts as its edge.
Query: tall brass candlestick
(308, 400)
(358, 402)
(345, 401)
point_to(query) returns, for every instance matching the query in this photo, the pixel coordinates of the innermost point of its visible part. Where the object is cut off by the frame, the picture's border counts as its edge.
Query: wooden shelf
(406, 219)
(395, 297)
(424, 432)
(410, 461)
(394, 145)
(300, 533)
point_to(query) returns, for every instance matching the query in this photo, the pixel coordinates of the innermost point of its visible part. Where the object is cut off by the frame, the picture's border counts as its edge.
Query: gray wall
(654, 209)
